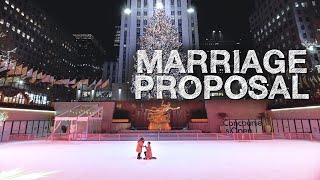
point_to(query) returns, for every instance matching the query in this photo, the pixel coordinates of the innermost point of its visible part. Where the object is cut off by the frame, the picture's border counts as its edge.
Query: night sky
(100, 16)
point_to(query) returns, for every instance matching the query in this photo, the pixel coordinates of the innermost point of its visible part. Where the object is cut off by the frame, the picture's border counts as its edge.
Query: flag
(98, 84)
(76, 85)
(33, 80)
(315, 79)
(4, 66)
(46, 79)
(52, 80)
(9, 80)
(305, 81)
(34, 75)
(44, 76)
(2, 80)
(29, 73)
(105, 84)
(318, 77)
(12, 66)
(311, 82)
(93, 84)
(16, 79)
(11, 72)
(18, 70)
(13, 69)
(66, 81)
(62, 81)
(59, 82)
(73, 81)
(39, 76)
(84, 82)
(24, 71)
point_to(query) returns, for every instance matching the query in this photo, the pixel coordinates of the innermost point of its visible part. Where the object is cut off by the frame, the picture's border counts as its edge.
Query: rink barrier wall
(169, 137)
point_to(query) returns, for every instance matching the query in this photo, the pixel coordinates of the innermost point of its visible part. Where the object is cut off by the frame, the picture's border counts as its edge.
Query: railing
(28, 137)
(170, 137)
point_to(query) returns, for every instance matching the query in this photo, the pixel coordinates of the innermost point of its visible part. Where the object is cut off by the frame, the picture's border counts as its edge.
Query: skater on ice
(140, 145)
(148, 153)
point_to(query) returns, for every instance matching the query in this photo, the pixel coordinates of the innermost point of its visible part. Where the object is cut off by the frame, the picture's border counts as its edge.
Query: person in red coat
(139, 147)
(148, 153)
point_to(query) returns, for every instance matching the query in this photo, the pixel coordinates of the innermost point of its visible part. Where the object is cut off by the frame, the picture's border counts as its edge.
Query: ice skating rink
(203, 160)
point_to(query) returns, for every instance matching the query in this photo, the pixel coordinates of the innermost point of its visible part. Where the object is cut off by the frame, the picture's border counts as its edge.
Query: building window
(316, 57)
(302, 27)
(145, 22)
(138, 22)
(304, 4)
(314, 3)
(125, 37)
(154, 3)
(172, 13)
(193, 39)
(138, 13)
(305, 35)
(300, 19)
(145, 13)
(179, 13)
(172, 2)
(164, 3)
(139, 4)
(145, 3)
(179, 3)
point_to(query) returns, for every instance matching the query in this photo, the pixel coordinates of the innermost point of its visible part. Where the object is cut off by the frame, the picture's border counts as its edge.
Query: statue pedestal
(163, 126)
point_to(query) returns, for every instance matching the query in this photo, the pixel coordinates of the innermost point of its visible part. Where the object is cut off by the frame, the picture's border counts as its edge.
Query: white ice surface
(203, 160)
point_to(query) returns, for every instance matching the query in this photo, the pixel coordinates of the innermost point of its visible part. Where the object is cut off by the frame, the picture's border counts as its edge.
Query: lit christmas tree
(160, 34)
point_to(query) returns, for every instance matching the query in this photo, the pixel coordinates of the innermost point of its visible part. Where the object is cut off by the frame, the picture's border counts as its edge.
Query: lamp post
(119, 91)
(127, 11)
(191, 10)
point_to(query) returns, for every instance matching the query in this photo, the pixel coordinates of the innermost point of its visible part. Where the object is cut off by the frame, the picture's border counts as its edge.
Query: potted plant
(266, 122)
(223, 116)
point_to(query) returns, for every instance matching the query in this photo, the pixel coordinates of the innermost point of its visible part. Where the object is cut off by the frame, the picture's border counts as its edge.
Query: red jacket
(139, 146)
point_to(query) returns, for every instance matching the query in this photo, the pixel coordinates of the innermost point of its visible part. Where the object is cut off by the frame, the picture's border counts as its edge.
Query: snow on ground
(181, 160)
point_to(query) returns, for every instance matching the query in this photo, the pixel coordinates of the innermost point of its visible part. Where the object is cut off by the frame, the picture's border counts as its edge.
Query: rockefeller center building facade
(136, 17)
(287, 24)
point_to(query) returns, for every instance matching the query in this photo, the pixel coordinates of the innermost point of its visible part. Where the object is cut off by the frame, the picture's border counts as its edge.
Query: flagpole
(81, 92)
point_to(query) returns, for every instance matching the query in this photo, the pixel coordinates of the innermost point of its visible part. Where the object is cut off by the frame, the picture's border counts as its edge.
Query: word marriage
(173, 74)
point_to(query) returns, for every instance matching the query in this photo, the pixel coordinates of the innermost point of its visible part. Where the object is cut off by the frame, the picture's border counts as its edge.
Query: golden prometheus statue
(159, 117)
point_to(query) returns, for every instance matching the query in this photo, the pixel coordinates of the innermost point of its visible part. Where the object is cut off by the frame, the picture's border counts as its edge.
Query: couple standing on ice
(148, 153)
